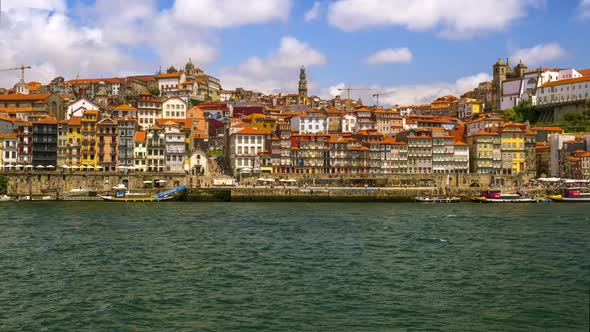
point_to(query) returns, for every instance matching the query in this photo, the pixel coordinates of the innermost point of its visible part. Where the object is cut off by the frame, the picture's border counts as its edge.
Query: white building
(310, 123)
(244, 147)
(149, 108)
(174, 108)
(80, 106)
(140, 151)
(348, 122)
(565, 90)
(516, 90)
(8, 149)
(556, 145)
(169, 84)
(175, 147)
(225, 95)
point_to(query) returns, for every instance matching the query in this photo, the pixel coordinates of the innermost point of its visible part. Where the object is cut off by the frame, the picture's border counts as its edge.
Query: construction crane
(376, 95)
(21, 68)
(348, 89)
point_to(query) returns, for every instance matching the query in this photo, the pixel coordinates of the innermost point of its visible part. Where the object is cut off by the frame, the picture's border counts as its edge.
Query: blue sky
(419, 49)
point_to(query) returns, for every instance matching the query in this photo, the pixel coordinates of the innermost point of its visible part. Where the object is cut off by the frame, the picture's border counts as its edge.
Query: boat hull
(135, 199)
(438, 200)
(559, 198)
(509, 200)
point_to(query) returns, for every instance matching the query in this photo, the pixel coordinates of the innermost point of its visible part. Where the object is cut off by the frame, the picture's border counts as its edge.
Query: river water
(99, 266)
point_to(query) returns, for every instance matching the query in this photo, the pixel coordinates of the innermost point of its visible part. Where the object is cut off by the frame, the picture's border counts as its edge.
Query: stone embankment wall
(318, 194)
(51, 183)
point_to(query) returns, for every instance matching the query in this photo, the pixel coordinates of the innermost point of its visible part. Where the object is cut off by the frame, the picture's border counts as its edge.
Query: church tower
(498, 78)
(520, 69)
(302, 82)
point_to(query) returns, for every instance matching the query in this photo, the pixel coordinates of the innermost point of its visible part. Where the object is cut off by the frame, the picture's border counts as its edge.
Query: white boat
(435, 199)
(5, 198)
(572, 196)
(496, 196)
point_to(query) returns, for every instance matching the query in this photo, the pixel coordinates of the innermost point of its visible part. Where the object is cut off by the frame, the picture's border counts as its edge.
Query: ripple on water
(293, 266)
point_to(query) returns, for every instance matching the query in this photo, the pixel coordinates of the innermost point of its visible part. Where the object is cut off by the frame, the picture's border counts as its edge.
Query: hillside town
(183, 121)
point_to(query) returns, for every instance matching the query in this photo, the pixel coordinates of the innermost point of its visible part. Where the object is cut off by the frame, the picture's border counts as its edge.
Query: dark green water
(293, 267)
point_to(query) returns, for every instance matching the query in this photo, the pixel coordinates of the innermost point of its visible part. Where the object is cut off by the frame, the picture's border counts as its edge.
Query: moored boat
(5, 198)
(496, 196)
(136, 198)
(437, 199)
(126, 196)
(571, 196)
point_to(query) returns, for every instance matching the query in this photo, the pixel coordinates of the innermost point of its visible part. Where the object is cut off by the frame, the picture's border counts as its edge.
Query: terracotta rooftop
(567, 81)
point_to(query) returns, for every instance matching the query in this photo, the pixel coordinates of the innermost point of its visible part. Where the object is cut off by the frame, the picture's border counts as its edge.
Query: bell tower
(302, 82)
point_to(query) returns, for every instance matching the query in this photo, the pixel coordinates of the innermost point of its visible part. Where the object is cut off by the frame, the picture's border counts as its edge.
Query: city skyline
(262, 47)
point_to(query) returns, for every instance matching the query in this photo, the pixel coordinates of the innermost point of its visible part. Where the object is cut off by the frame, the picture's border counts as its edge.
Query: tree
(526, 112)
(154, 91)
(3, 185)
(510, 115)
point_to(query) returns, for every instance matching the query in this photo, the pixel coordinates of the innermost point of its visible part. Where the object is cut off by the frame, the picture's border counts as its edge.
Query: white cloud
(409, 94)
(228, 13)
(453, 18)
(53, 45)
(390, 55)
(51, 5)
(313, 12)
(279, 71)
(584, 9)
(539, 54)
(102, 42)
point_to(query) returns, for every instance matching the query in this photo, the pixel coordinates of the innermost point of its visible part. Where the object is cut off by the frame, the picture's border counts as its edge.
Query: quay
(355, 188)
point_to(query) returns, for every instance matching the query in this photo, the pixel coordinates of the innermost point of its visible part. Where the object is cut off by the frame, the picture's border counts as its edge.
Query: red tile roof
(567, 81)
(140, 135)
(250, 131)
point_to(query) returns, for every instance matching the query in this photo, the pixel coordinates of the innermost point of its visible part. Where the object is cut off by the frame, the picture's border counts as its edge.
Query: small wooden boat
(572, 196)
(437, 199)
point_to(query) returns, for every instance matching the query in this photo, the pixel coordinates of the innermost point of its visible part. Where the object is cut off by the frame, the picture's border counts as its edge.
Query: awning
(147, 182)
(40, 166)
(49, 166)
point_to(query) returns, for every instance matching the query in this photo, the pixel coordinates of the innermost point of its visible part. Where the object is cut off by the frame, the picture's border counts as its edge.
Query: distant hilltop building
(502, 71)
(555, 92)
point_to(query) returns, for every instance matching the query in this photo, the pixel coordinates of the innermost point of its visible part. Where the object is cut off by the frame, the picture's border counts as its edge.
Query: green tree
(510, 115)
(195, 102)
(3, 185)
(154, 91)
(526, 112)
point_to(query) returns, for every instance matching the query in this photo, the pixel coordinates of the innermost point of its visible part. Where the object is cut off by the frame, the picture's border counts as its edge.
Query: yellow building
(512, 138)
(469, 107)
(88, 148)
(266, 124)
(485, 152)
(74, 141)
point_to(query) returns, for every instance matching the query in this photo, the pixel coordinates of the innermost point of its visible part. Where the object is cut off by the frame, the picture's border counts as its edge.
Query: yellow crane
(348, 89)
(21, 68)
(376, 95)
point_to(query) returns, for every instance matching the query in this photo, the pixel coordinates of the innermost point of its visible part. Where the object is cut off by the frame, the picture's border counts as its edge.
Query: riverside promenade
(58, 185)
